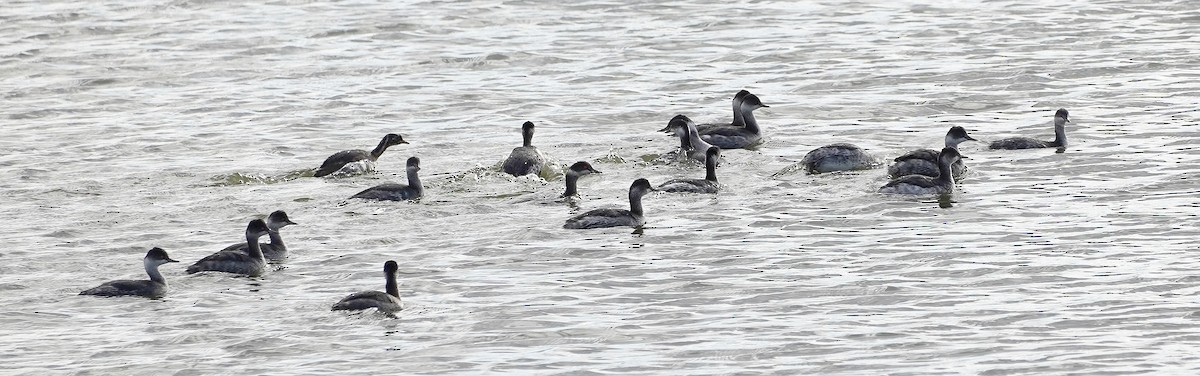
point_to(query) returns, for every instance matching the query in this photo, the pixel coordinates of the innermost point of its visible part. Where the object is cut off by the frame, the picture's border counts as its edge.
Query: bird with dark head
(357, 161)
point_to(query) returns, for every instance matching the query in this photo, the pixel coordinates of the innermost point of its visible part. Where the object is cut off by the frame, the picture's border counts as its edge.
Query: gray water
(134, 124)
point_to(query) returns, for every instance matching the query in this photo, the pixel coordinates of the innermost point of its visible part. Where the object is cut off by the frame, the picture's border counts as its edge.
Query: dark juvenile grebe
(250, 263)
(706, 185)
(397, 192)
(275, 250)
(598, 218)
(731, 137)
(526, 159)
(924, 161)
(1060, 136)
(384, 302)
(923, 185)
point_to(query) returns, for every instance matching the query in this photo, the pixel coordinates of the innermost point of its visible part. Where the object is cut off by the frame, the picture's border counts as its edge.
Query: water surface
(135, 124)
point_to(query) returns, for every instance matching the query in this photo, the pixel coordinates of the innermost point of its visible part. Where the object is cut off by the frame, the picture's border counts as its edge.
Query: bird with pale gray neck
(924, 185)
(276, 250)
(155, 287)
(924, 161)
(731, 137)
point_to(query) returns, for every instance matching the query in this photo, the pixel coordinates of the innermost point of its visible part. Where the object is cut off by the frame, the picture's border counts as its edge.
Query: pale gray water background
(133, 124)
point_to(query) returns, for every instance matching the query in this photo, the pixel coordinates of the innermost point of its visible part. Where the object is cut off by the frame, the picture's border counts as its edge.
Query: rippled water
(129, 125)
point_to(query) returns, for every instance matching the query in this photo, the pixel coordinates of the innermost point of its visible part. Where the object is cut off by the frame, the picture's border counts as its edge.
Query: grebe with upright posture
(526, 159)
(924, 161)
(598, 218)
(924, 185)
(706, 185)
(251, 263)
(690, 143)
(395, 191)
(156, 287)
(1060, 136)
(383, 302)
(577, 170)
(737, 117)
(731, 137)
(274, 251)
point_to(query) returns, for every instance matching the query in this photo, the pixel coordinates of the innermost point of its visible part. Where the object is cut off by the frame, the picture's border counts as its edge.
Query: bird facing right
(733, 137)
(276, 250)
(396, 191)
(155, 287)
(251, 263)
(924, 161)
(924, 185)
(600, 218)
(1060, 136)
(357, 161)
(707, 185)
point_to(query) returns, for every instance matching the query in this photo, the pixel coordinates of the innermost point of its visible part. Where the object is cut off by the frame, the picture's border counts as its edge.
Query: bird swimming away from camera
(706, 185)
(386, 302)
(526, 159)
(396, 191)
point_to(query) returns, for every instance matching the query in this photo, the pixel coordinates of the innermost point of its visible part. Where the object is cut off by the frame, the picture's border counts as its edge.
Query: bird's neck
(635, 204)
(391, 287)
(1060, 134)
(945, 171)
(572, 182)
(253, 247)
(378, 151)
(152, 270)
(748, 118)
(414, 180)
